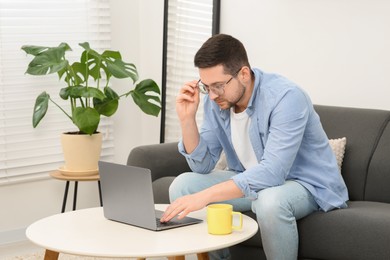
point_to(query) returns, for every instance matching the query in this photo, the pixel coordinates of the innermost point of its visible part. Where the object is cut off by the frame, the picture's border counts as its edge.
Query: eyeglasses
(217, 89)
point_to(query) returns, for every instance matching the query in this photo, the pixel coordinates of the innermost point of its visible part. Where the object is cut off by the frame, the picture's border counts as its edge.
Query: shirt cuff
(243, 185)
(197, 154)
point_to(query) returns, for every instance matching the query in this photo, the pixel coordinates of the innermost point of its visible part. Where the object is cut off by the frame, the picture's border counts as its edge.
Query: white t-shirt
(239, 124)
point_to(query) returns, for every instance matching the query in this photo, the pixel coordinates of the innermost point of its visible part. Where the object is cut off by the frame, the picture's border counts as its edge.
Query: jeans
(277, 209)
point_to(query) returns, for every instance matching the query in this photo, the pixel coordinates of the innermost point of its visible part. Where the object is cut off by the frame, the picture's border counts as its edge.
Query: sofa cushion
(339, 233)
(338, 147)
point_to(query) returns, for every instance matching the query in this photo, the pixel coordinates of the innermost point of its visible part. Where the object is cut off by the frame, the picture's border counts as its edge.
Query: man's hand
(187, 101)
(183, 206)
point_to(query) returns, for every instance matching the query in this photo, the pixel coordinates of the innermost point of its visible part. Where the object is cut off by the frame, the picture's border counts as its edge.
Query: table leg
(203, 256)
(76, 183)
(51, 255)
(65, 197)
(100, 194)
(178, 257)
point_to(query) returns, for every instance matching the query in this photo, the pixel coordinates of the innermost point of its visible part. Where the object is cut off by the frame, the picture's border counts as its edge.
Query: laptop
(127, 195)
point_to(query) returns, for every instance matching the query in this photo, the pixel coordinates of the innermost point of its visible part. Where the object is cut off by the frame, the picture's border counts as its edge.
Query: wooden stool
(58, 175)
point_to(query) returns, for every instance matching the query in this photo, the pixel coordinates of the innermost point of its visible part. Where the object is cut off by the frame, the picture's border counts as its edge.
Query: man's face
(224, 89)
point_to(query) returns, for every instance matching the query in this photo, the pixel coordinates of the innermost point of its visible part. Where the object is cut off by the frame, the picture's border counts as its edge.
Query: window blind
(26, 152)
(189, 24)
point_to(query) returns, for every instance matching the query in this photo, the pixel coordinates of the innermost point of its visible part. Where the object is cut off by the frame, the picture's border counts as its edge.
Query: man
(280, 163)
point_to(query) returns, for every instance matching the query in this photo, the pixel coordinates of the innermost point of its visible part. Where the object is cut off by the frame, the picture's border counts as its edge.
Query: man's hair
(222, 49)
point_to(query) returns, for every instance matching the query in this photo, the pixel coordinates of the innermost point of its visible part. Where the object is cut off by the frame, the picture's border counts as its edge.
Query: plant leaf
(109, 105)
(113, 55)
(143, 100)
(86, 119)
(47, 62)
(90, 92)
(147, 85)
(77, 74)
(42, 65)
(94, 61)
(85, 45)
(33, 49)
(40, 108)
(106, 107)
(109, 56)
(120, 69)
(65, 92)
(110, 93)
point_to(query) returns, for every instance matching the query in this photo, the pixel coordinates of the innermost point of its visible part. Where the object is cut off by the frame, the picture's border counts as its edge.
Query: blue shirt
(287, 137)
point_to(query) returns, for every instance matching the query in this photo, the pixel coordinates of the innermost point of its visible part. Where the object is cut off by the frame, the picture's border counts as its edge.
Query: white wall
(338, 51)
(137, 31)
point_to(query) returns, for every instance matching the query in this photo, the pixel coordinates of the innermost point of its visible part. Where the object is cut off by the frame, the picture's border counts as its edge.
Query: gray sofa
(362, 231)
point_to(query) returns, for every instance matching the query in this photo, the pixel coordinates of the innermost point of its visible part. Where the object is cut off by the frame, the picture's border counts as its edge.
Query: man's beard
(227, 104)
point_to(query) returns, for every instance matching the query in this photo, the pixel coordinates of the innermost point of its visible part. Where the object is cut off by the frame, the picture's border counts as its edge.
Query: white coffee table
(88, 233)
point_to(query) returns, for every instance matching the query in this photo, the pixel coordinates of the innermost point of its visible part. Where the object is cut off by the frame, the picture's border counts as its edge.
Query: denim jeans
(277, 209)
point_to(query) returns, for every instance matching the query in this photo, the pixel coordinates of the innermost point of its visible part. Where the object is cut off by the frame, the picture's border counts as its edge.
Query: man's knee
(268, 205)
(182, 185)
(285, 202)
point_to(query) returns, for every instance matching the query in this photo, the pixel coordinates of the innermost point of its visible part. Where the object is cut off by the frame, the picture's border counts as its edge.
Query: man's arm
(223, 191)
(187, 103)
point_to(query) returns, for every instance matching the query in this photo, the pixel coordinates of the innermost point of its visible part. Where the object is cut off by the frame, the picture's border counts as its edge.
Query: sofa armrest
(162, 159)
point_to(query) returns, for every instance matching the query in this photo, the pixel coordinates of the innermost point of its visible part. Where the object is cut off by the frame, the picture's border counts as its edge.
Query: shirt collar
(256, 90)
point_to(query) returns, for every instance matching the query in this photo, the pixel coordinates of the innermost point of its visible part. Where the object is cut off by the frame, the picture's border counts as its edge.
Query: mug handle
(240, 216)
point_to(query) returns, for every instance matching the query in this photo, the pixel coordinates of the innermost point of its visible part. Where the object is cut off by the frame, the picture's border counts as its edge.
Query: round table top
(87, 232)
(58, 175)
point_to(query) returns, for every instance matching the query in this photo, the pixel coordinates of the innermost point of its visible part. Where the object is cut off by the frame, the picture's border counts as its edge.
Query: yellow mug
(220, 219)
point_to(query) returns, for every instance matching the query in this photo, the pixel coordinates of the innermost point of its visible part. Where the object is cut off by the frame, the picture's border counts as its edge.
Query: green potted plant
(88, 91)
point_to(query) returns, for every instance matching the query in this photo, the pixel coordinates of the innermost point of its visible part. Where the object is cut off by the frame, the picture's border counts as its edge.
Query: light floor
(21, 250)
(28, 251)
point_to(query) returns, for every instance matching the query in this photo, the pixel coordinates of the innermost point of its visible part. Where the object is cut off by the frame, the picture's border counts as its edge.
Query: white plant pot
(81, 154)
